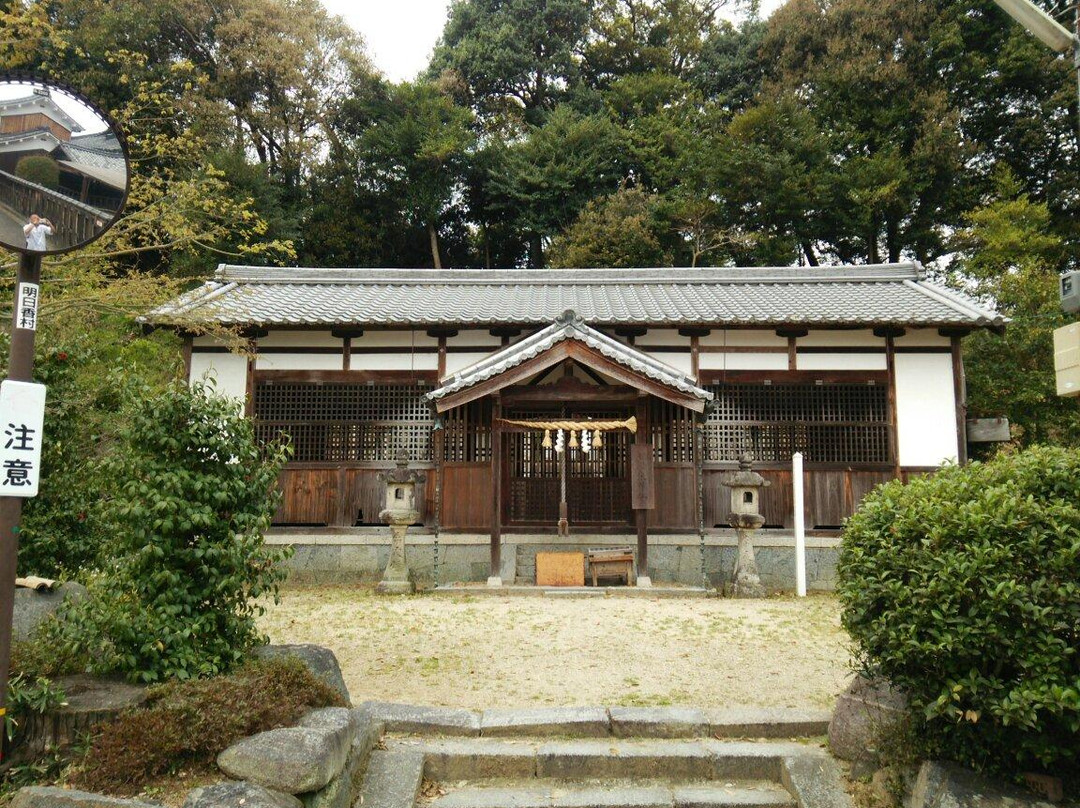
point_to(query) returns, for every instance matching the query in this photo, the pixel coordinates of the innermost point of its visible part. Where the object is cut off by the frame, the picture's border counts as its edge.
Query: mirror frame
(9, 77)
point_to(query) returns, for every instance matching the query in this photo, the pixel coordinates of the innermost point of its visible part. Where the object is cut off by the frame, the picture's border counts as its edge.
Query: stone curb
(599, 722)
(814, 781)
(393, 780)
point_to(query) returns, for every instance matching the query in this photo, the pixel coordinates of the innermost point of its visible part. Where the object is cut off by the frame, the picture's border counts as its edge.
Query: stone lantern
(399, 513)
(746, 486)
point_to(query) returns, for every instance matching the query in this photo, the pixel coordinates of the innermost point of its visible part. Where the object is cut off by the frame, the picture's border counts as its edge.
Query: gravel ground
(478, 652)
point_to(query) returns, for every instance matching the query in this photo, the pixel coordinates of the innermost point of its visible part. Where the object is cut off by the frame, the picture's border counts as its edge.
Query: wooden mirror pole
(20, 368)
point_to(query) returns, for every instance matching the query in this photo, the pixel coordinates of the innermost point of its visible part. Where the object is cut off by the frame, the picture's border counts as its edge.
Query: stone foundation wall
(360, 556)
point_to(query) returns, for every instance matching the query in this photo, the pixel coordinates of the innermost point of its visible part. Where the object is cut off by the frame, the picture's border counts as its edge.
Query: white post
(800, 527)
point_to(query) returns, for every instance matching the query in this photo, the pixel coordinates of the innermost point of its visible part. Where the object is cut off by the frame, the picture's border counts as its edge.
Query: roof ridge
(840, 273)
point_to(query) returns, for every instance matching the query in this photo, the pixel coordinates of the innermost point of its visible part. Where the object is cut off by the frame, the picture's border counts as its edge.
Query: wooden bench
(608, 562)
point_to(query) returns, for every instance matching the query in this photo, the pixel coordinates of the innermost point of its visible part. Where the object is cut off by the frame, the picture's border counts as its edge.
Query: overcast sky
(401, 33)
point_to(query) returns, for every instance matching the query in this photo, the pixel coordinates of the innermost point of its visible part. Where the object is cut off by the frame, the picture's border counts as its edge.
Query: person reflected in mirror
(35, 231)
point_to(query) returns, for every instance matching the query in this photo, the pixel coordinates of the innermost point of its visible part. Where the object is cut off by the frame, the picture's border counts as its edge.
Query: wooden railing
(73, 222)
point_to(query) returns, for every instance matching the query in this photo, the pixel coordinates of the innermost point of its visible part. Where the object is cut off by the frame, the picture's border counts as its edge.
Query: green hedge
(963, 589)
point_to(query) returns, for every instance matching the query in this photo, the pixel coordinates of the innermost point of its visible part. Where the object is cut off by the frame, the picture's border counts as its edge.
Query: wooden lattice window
(467, 433)
(828, 423)
(672, 431)
(345, 422)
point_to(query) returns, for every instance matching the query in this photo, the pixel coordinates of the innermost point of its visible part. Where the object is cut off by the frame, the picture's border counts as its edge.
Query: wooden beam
(960, 394)
(561, 392)
(345, 376)
(890, 331)
(795, 377)
(694, 332)
(442, 331)
(791, 332)
(347, 333)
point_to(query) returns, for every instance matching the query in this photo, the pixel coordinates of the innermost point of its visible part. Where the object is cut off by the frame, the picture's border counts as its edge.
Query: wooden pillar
(792, 354)
(442, 357)
(346, 353)
(494, 577)
(960, 393)
(894, 440)
(641, 438)
(249, 397)
(188, 341)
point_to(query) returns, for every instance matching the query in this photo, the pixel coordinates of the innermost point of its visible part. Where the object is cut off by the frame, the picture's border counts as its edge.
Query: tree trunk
(536, 251)
(434, 245)
(892, 238)
(872, 254)
(808, 251)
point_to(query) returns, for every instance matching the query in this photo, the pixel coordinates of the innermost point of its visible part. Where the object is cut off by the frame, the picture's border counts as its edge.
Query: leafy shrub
(193, 493)
(41, 169)
(963, 589)
(186, 724)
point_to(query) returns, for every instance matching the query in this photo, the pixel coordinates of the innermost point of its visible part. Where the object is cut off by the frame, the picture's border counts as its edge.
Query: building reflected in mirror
(63, 170)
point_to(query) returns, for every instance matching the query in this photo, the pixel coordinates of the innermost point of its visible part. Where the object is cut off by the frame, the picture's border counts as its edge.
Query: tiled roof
(570, 325)
(104, 165)
(838, 295)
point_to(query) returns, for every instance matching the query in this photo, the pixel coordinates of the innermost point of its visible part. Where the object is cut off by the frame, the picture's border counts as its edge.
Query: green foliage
(185, 725)
(41, 169)
(192, 494)
(26, 697)
(1009, 255)
(623, 229)
(961, 588)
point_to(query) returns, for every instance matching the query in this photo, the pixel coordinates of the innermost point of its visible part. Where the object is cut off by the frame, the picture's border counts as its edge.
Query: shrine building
(672, 373)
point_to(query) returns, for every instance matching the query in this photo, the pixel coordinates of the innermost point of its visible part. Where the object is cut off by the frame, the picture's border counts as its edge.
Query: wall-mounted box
(1067, 359)
(988, 430)
(1070, 291)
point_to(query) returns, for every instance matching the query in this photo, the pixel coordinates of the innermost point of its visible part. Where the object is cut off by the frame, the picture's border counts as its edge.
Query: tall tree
(517, 57)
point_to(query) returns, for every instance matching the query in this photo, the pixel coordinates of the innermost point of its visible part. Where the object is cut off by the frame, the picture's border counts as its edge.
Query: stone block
(478, 759)
(766, 722)
(608, 759)
(32, 608)
(519, 797)
(408, 718)
(52, 797)
(239, 795)
(947, 785)
(744, 760)
(320, 661)
(291, 759)
(392, 780)
(866, 710)
(816, 781)
(579, 722)
(732, 796)
(612, 797)
(658, 722)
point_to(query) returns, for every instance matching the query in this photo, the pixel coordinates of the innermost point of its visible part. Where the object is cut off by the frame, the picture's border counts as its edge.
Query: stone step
(392, 780)
(620, 722)
(539, 793)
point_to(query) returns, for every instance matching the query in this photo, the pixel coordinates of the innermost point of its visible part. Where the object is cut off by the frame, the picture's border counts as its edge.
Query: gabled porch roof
(569, 337)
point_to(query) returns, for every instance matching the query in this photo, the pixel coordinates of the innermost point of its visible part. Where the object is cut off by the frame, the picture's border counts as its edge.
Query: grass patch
(185, 725)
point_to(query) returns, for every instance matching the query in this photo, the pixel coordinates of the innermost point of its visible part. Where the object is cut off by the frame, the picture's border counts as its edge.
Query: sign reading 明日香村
(22, 416)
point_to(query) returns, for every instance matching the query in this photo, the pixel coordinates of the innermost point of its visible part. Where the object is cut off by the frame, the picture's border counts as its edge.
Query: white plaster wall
(299, 339)
(922, 338)
(228, 370)
(925, 409)
(743, 338)
(679, 361)
(841, 361)
(287, 361)
(840, 339)
(393, 361)
(662, 336)
(393, 339)
(743, 361)
(477, 336)
(457, 361)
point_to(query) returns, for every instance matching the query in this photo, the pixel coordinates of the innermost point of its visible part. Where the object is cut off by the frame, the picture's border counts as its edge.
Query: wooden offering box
(560, 569)
(612, 562)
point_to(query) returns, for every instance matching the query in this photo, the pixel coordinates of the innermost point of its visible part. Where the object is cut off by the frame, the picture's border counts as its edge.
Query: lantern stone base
(644, 581)
(395, 580)
(747, 581)
(494, 580)
(395, 587)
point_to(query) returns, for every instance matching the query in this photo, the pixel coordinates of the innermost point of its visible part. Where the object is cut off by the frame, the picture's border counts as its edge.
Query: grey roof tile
(569, 325)
(849, 295)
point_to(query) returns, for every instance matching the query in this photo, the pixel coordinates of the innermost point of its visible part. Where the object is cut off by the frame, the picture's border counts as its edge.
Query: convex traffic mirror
(64, 169)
